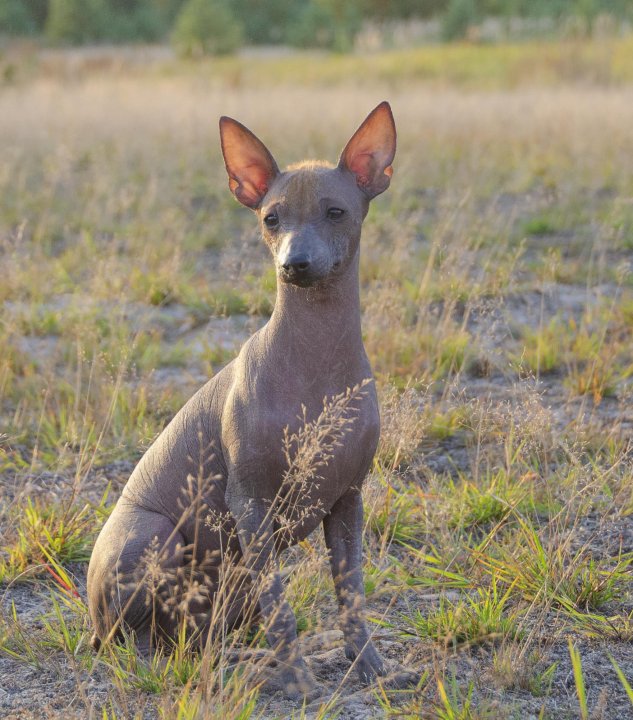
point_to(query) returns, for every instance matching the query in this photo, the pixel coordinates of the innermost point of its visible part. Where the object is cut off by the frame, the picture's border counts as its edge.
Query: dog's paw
(371, 667)
(300, 685)
(368, 662)
(399, 678)
(295, 681)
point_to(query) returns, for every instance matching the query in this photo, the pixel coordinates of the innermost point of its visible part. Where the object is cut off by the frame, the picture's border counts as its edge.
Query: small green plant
(473, 506)
(409, 705)
(553, 574)
(385, 576)
(177, 666)
(435, 569)
(423, 353)
(540, 225)
(50, 532)
(591, 355)
(514, 667)
(306, 591)
(394, 511)
(446, 424)
(621, 676)
(579, 680)
(454, 703)
(473, 620)
(617, 627)
(18, 642)
(69, 635)
(542, 351)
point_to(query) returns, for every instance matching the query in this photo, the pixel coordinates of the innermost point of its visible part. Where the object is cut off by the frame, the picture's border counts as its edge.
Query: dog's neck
(320, 326)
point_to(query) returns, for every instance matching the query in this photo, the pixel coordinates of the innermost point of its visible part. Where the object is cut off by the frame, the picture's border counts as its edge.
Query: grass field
(497, 294)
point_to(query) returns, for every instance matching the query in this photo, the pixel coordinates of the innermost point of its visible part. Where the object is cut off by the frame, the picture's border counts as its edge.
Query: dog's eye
(271, 220)
(335, 213)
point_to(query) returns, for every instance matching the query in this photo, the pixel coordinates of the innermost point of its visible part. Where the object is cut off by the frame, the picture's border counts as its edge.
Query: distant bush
(15, 19)
(384, 9)
(130, 20)
(39, 12)
(216, 25)
(326, 24)
(460, 15)
(206, 27)
(76, 21)
(267, 23)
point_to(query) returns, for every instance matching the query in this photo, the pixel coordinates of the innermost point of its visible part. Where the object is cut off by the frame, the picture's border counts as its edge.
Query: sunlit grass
(497, 313)
(504, 65)
(474, 619)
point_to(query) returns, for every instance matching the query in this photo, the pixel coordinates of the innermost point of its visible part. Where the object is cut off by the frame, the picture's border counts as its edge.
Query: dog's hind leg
(134, 576)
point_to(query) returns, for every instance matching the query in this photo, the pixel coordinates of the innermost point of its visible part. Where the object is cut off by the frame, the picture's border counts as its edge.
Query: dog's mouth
(302, 280)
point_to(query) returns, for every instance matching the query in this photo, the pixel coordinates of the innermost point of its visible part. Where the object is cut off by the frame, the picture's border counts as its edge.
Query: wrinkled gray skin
(222, 456)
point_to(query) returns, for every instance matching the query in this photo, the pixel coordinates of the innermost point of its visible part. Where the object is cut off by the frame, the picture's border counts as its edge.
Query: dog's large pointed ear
(370, 152)
(249, 164)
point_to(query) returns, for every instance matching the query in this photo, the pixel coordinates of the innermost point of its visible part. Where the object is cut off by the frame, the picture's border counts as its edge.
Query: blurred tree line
(220, 26)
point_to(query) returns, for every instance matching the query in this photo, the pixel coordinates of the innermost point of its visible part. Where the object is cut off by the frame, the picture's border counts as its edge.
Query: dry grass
(497, 298)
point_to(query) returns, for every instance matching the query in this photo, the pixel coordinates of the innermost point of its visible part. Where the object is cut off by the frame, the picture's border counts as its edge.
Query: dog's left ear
(370, 152)
(249, 164)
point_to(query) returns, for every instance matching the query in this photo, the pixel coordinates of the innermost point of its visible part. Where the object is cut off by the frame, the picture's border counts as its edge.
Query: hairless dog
(215, 484)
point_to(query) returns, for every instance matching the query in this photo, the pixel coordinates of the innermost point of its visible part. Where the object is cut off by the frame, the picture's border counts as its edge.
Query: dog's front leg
(256, 534)
(343, 529)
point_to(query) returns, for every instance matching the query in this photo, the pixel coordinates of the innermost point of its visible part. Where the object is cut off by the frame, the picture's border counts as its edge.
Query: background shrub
(206, 27)
(461, 15)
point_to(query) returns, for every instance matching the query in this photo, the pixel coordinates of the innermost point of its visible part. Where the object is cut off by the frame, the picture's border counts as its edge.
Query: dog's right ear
(248, 162)
(370, 152)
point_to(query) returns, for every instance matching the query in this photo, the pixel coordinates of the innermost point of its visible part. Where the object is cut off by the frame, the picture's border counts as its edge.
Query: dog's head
(311, 213)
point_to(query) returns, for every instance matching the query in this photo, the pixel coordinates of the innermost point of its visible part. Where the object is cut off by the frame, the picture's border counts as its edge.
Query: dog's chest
(318, 468)
(303, 460)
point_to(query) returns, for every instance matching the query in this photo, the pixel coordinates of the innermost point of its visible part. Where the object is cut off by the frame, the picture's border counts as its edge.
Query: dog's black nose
(296, 265)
